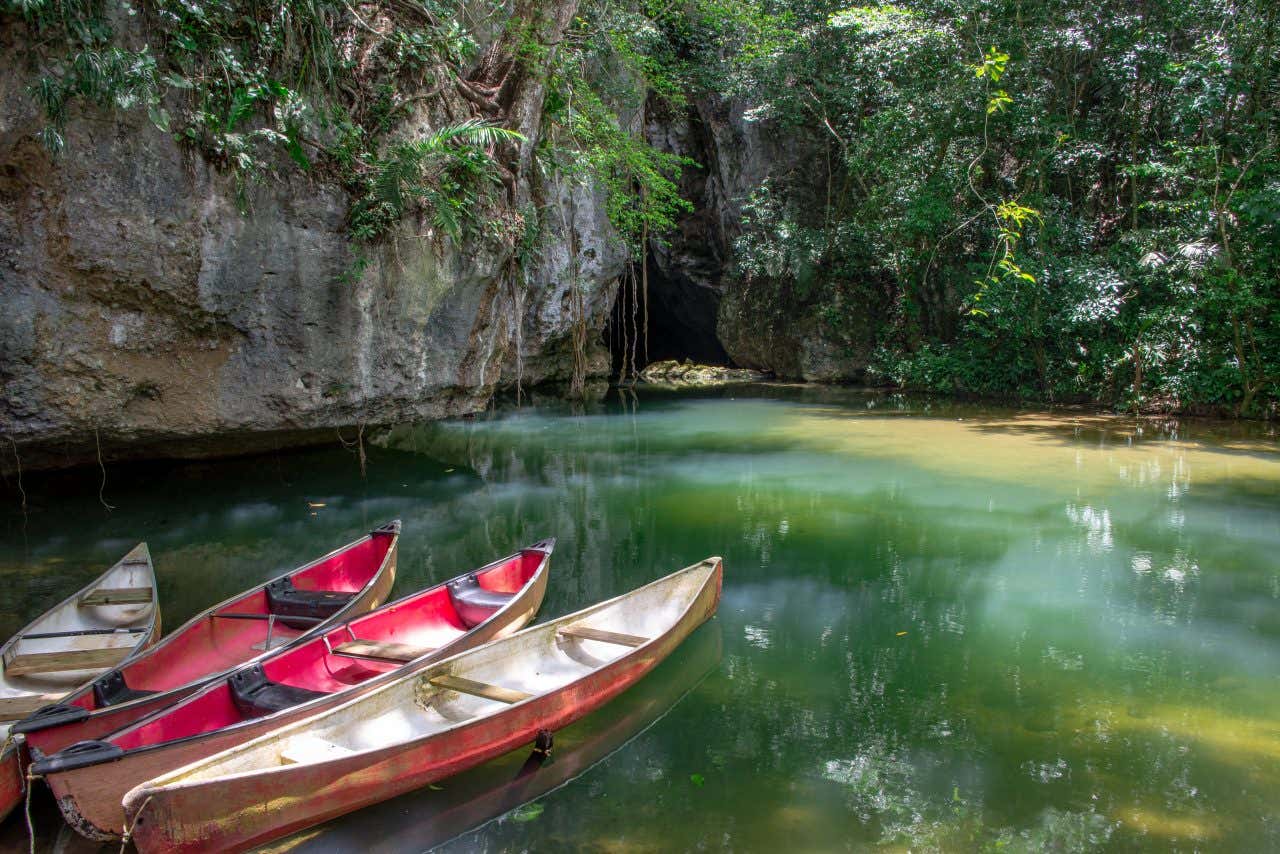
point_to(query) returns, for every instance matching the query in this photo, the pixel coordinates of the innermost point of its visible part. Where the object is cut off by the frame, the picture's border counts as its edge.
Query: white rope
(31, 831)
(128, 827)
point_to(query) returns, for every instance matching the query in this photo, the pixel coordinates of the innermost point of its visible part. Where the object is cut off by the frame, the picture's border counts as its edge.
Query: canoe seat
(61, 662)
(285, 600)
(110, 689)
(588, 633)
(474, 603)
(116, 596)
(12, 708)
(255, 695)
(380, 651)
(478, 689)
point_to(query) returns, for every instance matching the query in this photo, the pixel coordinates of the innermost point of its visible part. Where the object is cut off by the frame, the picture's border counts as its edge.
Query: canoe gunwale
(166, 698)
(530, 595)
(141, 793)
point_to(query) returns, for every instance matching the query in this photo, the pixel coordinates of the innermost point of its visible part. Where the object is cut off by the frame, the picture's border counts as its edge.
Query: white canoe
(433, 723)
(70, 645)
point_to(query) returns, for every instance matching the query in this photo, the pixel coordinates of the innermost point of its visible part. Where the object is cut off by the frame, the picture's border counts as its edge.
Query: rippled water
(943, 627)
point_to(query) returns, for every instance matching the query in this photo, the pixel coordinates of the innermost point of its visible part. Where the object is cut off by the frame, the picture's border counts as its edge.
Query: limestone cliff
(145, 313)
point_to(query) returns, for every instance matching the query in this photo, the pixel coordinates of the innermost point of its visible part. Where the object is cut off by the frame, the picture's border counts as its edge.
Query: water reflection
(944, 627)
(427, 818)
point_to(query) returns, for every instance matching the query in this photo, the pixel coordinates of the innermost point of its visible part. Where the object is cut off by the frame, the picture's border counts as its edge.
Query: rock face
(145, 313)
(696, 265)
(149, 307)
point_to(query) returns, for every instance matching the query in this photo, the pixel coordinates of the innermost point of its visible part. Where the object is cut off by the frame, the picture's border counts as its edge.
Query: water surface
(943, 627)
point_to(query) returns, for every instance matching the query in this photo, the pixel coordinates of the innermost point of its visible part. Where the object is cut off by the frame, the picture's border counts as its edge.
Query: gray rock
(698, 280)
(144, 312)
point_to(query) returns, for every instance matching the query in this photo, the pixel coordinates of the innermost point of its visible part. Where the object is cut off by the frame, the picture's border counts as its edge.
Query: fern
(441, 169)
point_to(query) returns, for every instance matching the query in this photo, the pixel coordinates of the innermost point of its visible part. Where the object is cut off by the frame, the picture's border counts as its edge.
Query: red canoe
(424, 726)
(343, 583)
(91, 778)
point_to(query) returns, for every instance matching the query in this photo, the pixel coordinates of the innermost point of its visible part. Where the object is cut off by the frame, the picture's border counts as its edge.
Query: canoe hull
(424, 819)
(100, 722)
(90, 797)
(239, 812)
(12, 785)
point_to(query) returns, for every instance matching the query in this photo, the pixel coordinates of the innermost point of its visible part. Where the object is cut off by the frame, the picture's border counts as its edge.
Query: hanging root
(103, 485)
(644, 280)
(358, 444)
(21, 492)
(578, 384)
(360, 448)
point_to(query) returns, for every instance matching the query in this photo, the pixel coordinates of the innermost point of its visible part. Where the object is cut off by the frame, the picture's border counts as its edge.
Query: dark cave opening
(682, 322)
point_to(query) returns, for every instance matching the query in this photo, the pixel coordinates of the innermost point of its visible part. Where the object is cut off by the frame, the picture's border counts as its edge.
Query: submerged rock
(686, 373)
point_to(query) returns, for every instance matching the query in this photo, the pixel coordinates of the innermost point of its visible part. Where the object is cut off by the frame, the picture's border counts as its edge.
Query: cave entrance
(682, 322)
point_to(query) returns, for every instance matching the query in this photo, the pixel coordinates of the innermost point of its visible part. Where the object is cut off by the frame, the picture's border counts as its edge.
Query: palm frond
(470, 132)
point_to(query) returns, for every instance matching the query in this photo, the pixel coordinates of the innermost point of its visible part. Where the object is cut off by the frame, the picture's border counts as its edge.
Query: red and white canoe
(423, 727)
(334, 588)
(90, 779)
(70, 645)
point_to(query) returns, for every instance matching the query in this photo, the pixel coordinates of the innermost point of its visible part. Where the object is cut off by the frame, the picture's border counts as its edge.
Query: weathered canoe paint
(208, 721)
(128, 628)
(408, 734)
(175, 667)
(422, 820)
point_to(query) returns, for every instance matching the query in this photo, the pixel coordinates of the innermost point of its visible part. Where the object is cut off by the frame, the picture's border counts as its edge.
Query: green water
(943, 627)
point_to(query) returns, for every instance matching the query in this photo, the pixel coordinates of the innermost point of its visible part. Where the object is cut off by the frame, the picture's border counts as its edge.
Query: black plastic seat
(111, 690)
(285, 600)
(474, 603)
(255, 695)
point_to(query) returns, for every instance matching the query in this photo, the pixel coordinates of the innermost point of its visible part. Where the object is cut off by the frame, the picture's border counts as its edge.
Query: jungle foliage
(1050, 200)
(325, 88)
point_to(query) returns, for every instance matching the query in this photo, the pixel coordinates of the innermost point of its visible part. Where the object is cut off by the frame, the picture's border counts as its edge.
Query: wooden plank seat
(379, 651)
(12, 708)
(588, 633)
(116, 596)
(478, 689)
(72, 659)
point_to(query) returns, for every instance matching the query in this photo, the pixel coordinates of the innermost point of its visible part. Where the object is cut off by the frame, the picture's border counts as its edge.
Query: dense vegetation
(1053, 200)
(1049, 200)
(325, 87)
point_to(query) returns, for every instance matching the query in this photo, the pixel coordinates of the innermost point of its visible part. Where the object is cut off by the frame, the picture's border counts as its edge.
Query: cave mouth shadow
(682, 322)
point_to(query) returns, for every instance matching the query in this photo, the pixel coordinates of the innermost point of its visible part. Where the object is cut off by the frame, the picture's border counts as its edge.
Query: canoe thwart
(116, 596)
(310, 748)
(12, 708)
(380, 651)
(587, 633)
(478, 689)
(71, 659)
